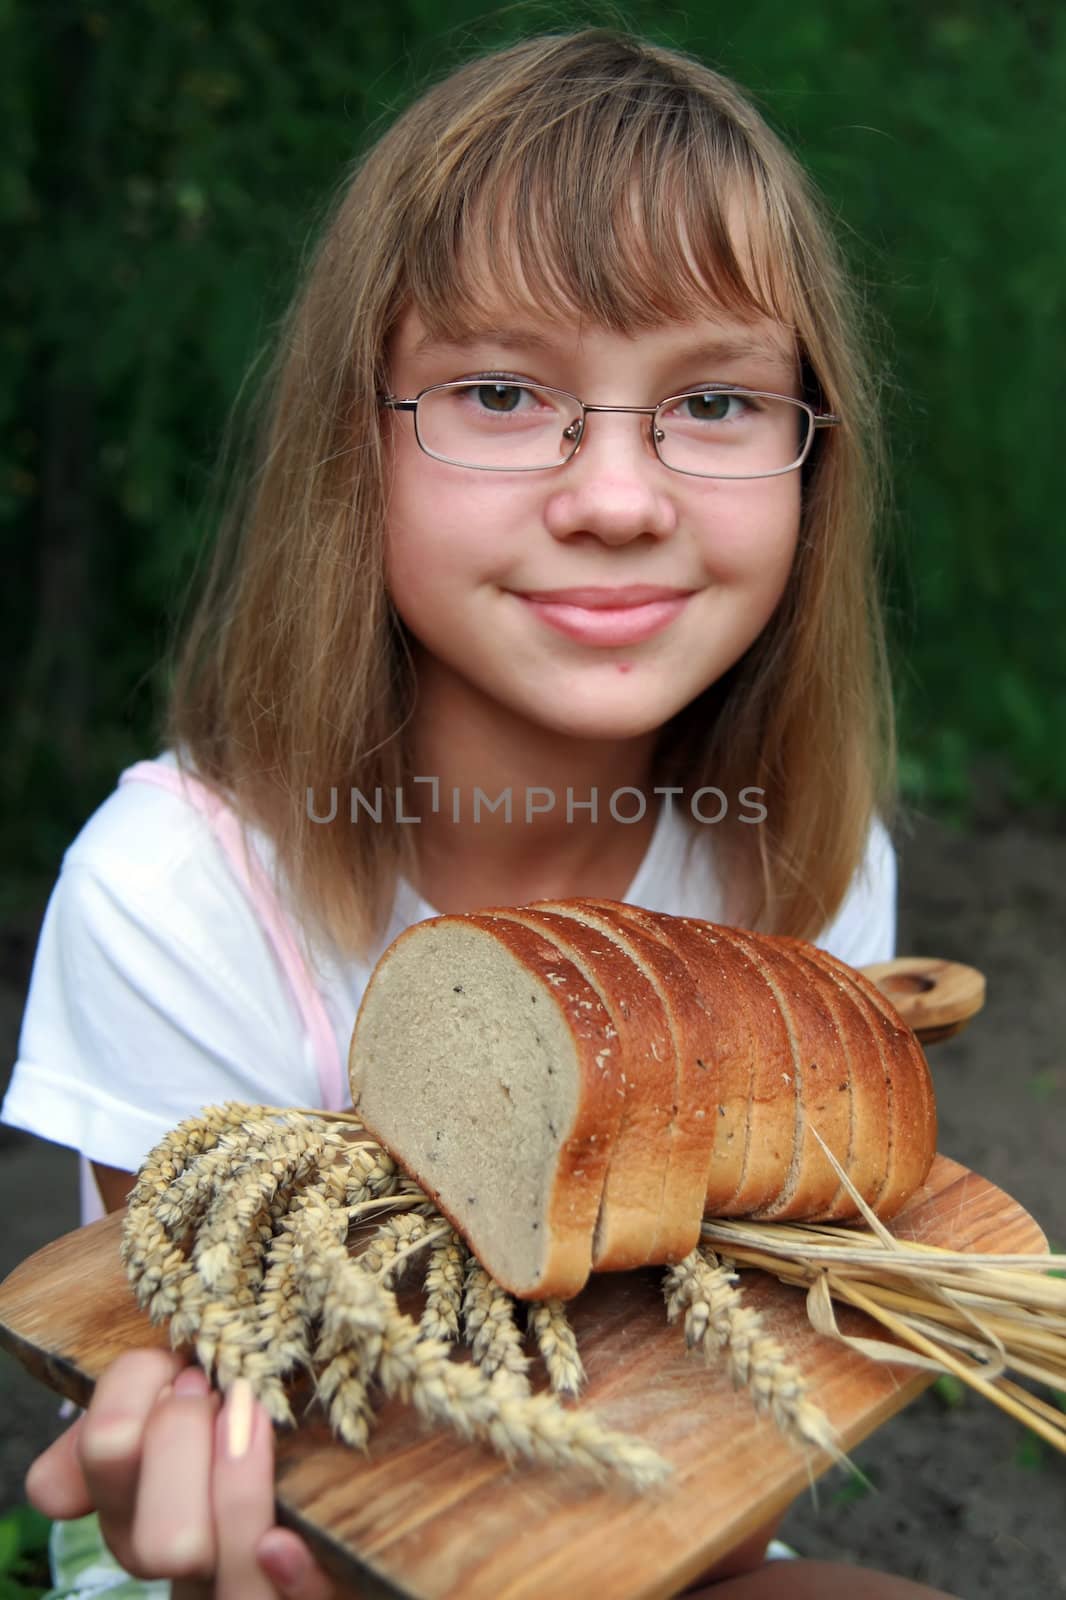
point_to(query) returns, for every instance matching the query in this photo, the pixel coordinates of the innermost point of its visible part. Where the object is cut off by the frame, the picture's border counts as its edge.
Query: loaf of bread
(576, 1083)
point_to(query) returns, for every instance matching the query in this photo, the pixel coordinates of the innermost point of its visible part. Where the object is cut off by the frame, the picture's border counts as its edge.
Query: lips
(608, 617)
(602, 599)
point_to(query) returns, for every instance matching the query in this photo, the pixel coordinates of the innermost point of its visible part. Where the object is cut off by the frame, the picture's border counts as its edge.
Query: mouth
(592, 598)
(607, 620)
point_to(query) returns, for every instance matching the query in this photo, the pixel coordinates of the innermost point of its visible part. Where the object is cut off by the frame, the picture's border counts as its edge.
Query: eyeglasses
(720, 431)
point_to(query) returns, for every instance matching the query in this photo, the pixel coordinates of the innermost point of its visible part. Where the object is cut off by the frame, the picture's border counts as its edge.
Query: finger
(243, 1494)
(55, 1483)
(110, 1435)
(292, 1569)
(172, 1534)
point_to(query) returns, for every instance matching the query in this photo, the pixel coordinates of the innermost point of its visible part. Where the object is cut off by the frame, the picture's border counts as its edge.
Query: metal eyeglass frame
(576, 429)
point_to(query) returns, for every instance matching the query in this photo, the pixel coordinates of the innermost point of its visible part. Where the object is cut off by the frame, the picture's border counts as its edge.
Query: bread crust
(632, 1193)
(713, 1095)
(862, 1074)
(823, 1097)
(912, 1117)
(756, 1125)
(674, 1234)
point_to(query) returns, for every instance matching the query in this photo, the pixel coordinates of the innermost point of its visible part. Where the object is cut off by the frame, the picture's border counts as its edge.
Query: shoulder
(149, 829)
(154, 988)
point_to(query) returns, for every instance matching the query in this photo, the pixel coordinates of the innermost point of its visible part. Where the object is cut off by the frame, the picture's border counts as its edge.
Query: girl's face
(474, 558)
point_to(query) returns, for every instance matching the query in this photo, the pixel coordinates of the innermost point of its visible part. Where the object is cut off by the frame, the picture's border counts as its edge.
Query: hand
(183, 1484)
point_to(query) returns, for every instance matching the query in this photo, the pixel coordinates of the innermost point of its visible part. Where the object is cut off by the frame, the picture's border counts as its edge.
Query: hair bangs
(620, 210)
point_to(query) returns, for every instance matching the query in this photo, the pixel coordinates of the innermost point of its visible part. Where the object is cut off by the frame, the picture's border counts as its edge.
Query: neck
(518, 812)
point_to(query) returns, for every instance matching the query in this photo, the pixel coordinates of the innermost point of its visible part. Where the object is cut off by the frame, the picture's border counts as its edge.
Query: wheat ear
(557, 1343)
(444, 1287)
(491, 1329)
(717, 1319)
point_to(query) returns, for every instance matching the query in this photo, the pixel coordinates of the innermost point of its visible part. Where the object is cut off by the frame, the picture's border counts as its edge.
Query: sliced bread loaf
(489, 1052)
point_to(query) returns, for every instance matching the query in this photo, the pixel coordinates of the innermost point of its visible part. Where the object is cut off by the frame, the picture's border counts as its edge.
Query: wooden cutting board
(431, 1518)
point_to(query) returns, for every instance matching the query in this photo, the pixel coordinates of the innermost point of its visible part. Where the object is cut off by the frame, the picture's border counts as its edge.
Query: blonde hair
(606, 166)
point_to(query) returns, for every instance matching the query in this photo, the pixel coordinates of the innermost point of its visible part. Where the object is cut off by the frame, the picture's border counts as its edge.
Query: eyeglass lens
(710, 433)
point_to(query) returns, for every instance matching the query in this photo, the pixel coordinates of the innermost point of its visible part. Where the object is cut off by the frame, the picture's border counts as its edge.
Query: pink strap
(256, 883)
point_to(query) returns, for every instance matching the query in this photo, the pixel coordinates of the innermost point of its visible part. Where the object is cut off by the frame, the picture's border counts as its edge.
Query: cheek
(445, 527)
(751, 538)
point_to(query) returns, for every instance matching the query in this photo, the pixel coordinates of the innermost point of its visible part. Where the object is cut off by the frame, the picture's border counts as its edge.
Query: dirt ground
(962, 1498)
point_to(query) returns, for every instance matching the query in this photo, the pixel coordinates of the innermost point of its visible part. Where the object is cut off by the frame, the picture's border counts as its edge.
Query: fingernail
(240, 1414)
(191, 1380)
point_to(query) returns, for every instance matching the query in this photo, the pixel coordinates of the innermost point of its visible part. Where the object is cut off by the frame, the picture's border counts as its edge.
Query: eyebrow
(730, 347)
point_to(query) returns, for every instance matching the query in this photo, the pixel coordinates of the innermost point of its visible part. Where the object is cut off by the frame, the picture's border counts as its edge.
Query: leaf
(950, 1391)
(1031, 1453)
(857, 1487)
(9, 1543)
(11, 1589)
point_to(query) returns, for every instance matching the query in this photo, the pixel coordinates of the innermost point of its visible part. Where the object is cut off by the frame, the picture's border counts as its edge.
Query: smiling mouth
(608, 625)
(593, 598)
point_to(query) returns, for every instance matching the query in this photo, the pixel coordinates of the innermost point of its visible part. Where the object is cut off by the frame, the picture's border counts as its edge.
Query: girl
(563, 493)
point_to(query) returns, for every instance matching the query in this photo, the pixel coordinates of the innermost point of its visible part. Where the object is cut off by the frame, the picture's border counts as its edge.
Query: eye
(502, 398)
(713, 405)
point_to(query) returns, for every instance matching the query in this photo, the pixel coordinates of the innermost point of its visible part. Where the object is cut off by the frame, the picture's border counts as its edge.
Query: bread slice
(489, 1067)
(676, 1228)
(632, 1194)
(821, 1087)
(755, 1126)
(911, 1120)
(859, 1075)
(713, 1095)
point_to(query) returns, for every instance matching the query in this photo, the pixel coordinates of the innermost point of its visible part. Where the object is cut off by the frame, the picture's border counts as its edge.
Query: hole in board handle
(906, 983)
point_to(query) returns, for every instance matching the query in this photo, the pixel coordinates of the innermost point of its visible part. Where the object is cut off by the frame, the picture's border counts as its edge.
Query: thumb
(55, 1484)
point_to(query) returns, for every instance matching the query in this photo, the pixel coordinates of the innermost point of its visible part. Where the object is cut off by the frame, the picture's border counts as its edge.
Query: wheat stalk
(1000, 1311)
(718, 1320)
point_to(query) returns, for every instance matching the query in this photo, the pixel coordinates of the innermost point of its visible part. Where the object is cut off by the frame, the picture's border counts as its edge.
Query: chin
(602, 724)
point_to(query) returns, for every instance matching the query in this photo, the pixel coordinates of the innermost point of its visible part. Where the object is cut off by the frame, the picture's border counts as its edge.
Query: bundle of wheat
(237, 1234)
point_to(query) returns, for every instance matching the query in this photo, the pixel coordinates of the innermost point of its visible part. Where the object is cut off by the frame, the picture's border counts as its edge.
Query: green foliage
(164, 164)
(950, 1391)
(23, 1553)
(857, 1486)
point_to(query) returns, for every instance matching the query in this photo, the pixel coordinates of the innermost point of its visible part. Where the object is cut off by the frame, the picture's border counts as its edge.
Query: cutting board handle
(935, 998)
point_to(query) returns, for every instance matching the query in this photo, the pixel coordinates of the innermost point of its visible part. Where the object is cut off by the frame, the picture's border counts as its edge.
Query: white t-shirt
(156, 990)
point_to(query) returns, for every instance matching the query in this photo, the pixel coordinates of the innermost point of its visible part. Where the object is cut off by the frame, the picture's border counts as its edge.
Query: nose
(614, 488)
